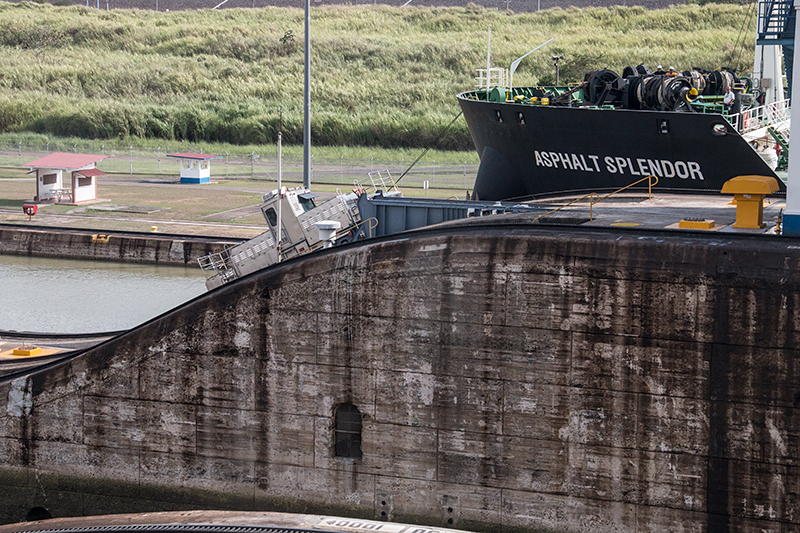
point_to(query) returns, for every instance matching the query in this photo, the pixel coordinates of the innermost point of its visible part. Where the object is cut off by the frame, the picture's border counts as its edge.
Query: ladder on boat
(773, 22)
(776, 26)
(772, 120)
(783, 142)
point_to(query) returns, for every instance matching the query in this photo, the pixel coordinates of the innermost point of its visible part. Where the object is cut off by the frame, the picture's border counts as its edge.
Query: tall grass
(382, 76)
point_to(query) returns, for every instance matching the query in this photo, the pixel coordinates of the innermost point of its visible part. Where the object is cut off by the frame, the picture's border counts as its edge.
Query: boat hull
(530, 151)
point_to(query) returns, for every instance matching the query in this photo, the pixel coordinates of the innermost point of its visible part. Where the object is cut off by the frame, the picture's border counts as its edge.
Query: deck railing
(761, 117)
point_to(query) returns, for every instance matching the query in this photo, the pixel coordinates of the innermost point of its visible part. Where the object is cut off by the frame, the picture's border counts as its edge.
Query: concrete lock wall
(128, 247)
(509, 378)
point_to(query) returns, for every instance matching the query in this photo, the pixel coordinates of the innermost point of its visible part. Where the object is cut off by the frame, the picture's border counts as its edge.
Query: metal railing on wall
(595, 198)
(252, 166)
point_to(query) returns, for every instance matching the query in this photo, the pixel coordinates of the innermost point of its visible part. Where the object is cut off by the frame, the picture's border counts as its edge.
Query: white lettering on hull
(661, 168)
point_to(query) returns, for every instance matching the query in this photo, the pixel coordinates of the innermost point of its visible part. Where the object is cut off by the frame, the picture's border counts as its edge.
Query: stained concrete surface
(510, 376)
(121, 246)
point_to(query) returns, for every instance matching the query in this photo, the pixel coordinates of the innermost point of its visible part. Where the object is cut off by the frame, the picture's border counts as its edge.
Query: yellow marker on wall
(27, 350)
(691, 223)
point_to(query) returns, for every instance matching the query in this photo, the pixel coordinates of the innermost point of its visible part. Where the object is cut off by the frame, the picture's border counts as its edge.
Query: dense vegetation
(382, 76)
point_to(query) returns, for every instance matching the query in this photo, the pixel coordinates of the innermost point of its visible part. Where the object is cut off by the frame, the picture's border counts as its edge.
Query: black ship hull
(531, 151)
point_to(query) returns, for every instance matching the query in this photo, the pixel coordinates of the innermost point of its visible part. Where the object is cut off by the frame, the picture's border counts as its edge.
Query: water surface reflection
(71, 296)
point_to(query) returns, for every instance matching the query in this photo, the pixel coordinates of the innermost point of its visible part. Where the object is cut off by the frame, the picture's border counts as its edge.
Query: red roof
(89, 172)
(65, 160)
(201, 157)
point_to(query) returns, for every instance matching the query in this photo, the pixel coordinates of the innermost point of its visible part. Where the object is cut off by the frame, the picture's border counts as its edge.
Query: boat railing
(651, 182)
(761, 116)
(493, 77)
(366, 226)
(216, 263)
(382, 180)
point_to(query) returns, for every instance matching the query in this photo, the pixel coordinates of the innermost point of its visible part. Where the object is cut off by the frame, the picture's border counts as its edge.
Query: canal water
(71, 296)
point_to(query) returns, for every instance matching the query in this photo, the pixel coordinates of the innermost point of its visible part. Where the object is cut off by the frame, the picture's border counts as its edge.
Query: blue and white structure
(195, 168)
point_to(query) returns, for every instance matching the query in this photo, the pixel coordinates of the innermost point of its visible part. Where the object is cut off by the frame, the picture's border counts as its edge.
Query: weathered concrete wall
(110, 246)
(510, 378)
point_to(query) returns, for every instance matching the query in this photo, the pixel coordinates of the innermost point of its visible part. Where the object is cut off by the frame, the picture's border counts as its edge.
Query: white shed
(195, 168)
(66, 178)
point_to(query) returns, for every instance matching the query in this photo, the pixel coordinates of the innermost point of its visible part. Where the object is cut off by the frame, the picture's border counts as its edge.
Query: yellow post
(27, 350)
(748, 194)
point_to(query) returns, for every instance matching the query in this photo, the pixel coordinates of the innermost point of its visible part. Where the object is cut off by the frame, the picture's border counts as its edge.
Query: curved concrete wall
(509, 377)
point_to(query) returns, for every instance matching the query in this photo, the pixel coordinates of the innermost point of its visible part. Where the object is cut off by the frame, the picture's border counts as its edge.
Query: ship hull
(530, 151)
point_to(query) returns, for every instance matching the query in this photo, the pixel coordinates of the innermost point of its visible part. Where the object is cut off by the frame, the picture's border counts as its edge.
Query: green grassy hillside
(382, 76)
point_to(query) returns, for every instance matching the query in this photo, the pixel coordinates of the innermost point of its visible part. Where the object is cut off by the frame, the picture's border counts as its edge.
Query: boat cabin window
(272, 216)
(347, 432)
(306, 201)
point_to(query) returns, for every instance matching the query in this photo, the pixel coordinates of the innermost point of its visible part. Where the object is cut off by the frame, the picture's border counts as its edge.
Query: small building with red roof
(66, 178)
(195, 168)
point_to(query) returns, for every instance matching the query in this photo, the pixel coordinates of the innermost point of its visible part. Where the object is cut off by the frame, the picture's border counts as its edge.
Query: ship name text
(662, 168)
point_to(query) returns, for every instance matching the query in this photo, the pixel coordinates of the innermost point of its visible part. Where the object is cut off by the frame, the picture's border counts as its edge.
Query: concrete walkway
(139, 203)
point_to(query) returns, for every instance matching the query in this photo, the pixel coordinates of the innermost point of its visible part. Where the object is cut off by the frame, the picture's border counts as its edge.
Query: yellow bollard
(748, 195)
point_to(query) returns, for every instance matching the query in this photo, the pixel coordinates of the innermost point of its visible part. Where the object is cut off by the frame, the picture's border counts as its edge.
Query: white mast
(488, 57)
(515, 64)
(307, 101)
(791, 217)
(280, 195)
(767, 72)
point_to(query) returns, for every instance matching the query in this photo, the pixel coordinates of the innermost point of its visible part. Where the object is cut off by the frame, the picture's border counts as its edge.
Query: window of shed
(347, 434)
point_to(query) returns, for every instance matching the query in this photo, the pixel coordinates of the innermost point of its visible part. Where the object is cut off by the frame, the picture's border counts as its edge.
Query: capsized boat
(613, 130)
